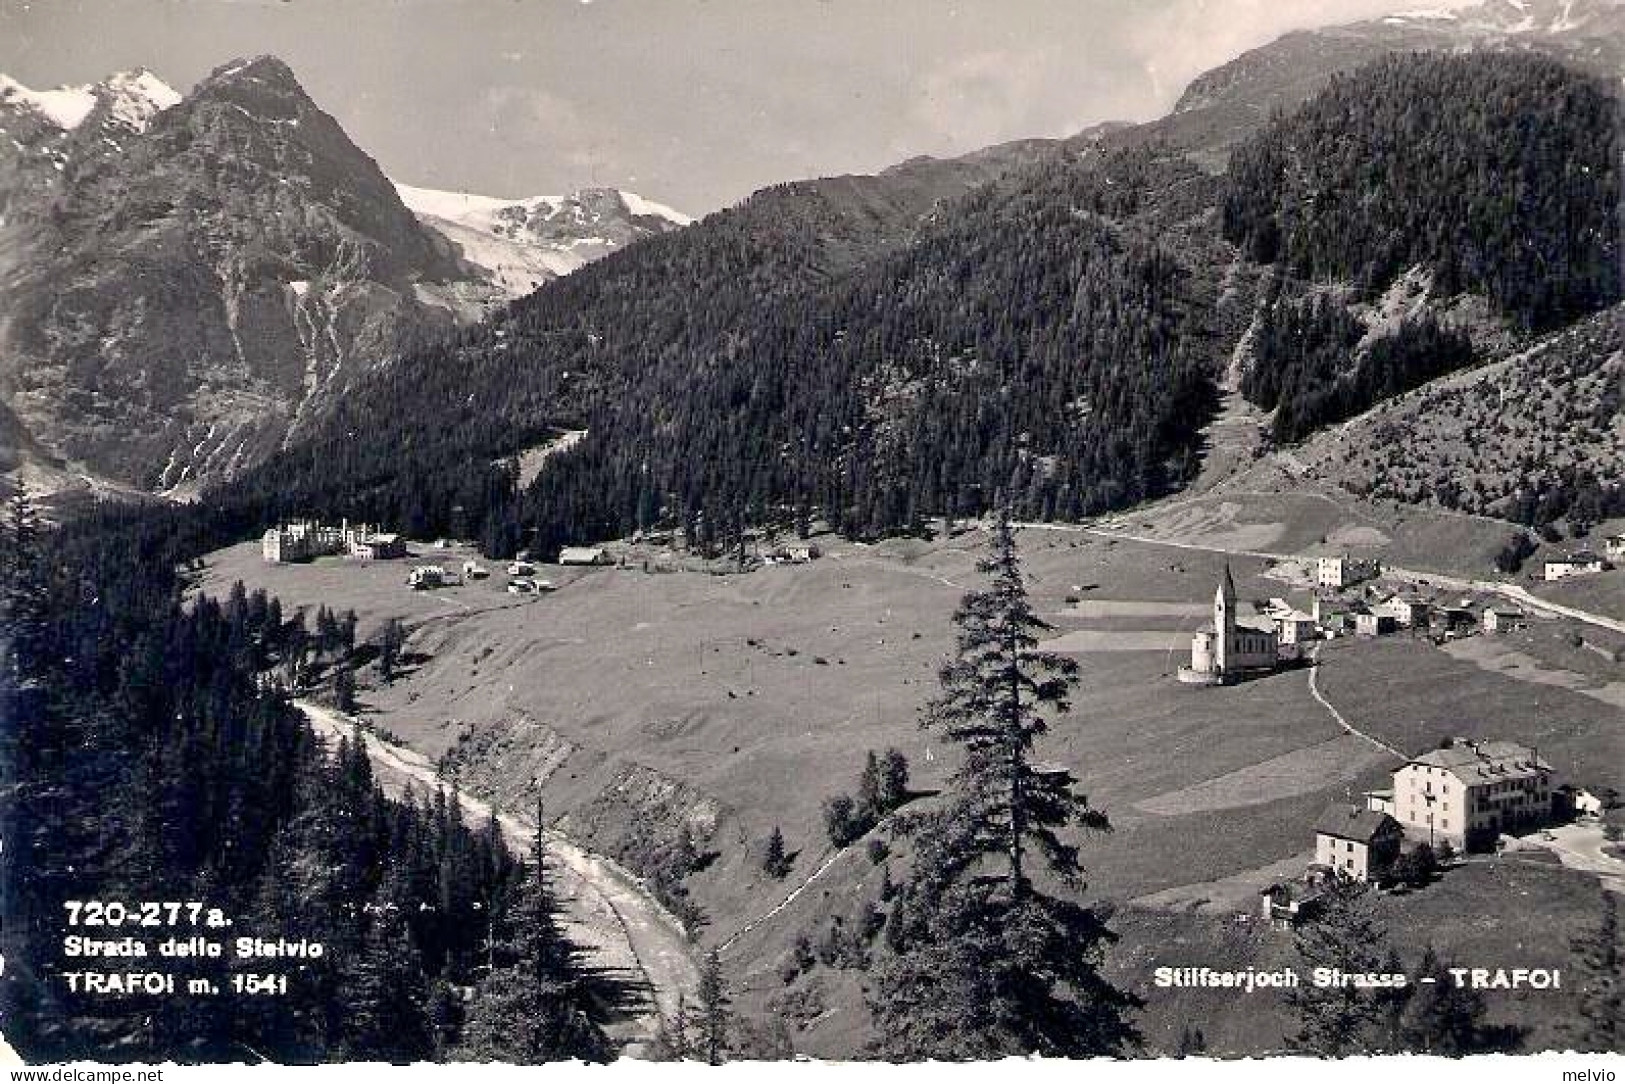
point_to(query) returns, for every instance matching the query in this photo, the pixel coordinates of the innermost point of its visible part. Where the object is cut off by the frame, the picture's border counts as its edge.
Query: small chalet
(1408, 611)
(1583, 563)
(1454, 619)
(1287, 903)
(585, 555)
(1503, 619)
(1357, 843)
(424, 577)
(1374, 624)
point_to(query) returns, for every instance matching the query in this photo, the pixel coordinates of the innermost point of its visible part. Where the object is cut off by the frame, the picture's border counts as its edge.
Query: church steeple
(1224, 602)
(1224, 619)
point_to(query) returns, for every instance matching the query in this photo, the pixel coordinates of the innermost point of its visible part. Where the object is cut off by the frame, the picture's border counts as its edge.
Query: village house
(585, 555)
(424, 577)
(1503, 619)
(1468, 792)
(1454, 620)
(1408, 611)
(1374, 624)
(1228, 650)
(1582, 563)
(1586, 804)
(1295, 626)
(1326, 606)
(1357, 843)
(378, 547)
(1613, 547)
(1344, 571)
(1570, 801)
(1287, 903)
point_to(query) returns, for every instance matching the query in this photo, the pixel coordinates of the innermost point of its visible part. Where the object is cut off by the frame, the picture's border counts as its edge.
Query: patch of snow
(531, 459)
(464, 207)
(65, 107)
(1424, 13)
(1566, 21)
(523, 243)
(300, 287)
(650, 209)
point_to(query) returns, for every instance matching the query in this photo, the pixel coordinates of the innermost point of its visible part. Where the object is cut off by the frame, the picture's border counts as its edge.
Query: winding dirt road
(608, 911)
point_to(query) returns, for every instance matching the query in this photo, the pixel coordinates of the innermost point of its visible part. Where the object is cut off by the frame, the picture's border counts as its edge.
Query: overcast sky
(691, 102)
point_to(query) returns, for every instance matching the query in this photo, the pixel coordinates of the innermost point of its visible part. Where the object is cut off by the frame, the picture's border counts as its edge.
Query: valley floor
(733, 704)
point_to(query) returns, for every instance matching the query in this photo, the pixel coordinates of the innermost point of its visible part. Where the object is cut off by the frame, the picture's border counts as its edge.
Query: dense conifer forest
(1307, 369)
(151, 754)
(1497, 172)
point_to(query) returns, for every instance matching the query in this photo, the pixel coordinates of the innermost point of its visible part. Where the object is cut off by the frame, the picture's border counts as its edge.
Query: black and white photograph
(662, 533)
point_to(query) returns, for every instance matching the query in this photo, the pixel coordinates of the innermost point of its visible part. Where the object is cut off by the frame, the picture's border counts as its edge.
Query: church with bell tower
(1226, 649)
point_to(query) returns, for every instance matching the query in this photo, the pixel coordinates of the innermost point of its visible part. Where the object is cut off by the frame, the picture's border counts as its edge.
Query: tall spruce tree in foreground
(1440, 1017)
(1340, 1021)
(713, 1018)
(539, 1002)
(985, 963)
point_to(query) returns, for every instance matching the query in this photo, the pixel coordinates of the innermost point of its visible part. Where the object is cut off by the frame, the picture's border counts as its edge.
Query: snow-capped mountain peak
(521, 243)
(1512, 17)
(65, 107)
(133, 99)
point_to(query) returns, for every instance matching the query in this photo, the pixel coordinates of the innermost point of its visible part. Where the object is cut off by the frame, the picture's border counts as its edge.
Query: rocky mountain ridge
(187, 281)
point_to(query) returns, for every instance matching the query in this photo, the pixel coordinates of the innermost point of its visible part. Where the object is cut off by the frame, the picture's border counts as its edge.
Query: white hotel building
(1469, 792)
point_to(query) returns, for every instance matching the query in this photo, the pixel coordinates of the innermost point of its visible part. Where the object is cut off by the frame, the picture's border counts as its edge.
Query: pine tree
(390, 642)
(1602, 993)
(1440, 1017)
(24, 603)
(775, 863)
(714, 1013)
(1340, 1021)
(893, 780)
(344, 689)
(671, 1039)
(387, 1013)
(538, 1003)
(989, 965)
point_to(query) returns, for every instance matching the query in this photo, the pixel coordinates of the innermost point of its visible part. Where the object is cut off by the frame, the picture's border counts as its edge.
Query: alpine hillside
(185, 282)
(871, 351)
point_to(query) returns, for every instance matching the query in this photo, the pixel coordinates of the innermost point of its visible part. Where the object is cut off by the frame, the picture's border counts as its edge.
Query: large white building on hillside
(1468, 792)
(1343, 571)
(1227, 650)
(305, 539)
